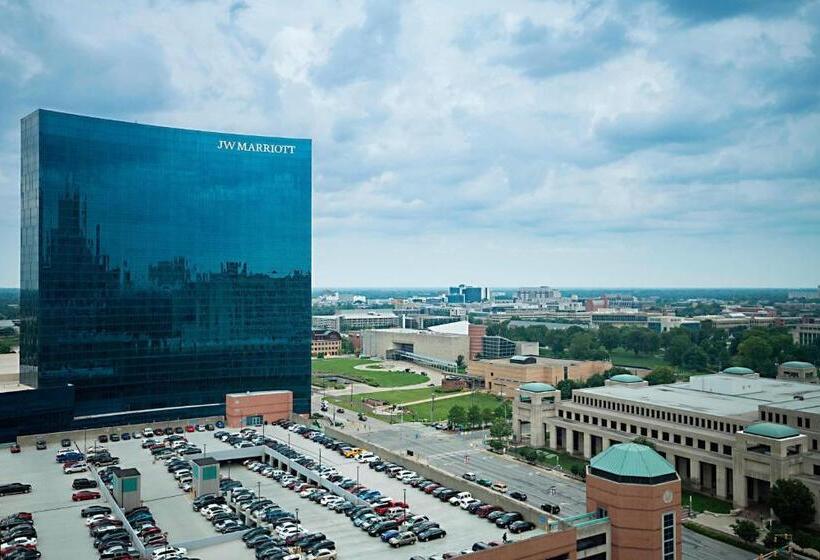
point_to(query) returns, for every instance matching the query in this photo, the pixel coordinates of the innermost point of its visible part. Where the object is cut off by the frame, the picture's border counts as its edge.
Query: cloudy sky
(589, 143)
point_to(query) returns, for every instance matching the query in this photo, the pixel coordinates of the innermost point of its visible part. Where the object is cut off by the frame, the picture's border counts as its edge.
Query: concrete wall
(551, 545)
(486, 495)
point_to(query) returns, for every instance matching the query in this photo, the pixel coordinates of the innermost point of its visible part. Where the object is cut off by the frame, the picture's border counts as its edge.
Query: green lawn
(421, 412)
(622, 357)
(375, 377)
(701, 502)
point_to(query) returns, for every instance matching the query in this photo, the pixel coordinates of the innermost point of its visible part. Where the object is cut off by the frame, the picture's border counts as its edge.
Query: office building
(162, 268)
(798, 371)
(438, 347)
(467, 294)
(325, 342)
(805, 334)
(537, 296)
(503, 376)
(356, 320)
(497, 347)
(731, 435)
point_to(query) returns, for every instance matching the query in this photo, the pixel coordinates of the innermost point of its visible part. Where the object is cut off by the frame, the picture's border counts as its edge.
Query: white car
(322, 554)
(458, 498)
(464, 504)
(75, 468)
(212, 510)
(364, 457)
(18, 541)
(329, 499)
(148, 432)
(169, 551)
(200, 428)
(287, 529)
(94, 518)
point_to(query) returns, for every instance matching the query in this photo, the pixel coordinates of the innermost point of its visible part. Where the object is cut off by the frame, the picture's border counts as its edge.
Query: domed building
(626, 380)
(739, 372)
(797, 371)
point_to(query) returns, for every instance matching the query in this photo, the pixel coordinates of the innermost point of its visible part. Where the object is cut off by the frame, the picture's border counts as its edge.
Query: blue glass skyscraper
(162, 268)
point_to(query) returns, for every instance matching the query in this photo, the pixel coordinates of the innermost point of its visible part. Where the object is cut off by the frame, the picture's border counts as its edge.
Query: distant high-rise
(163, 268)
(467, 294)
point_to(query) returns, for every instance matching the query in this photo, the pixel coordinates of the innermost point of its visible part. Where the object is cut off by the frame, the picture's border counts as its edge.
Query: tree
(456, 416)
(792, 502)
(746, 530)
(596, 380)
(487, 416)
(5, 348)
(609, 337)
(661, 376)
(320, 355)
(460, 361)
(694, 358)
(500, 428)
(474, 416)
(496, 444)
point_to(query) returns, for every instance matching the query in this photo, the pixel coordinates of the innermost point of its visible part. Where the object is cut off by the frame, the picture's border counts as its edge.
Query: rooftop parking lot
(62, 533)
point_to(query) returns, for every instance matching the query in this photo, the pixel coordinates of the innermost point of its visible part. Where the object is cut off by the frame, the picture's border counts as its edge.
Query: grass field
(421, 412)
(374, 377)
(622, 357)
(701, 502)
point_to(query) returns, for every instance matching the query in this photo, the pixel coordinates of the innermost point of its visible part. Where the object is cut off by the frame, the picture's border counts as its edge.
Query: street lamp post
(404, 497)
(297, 514)
(259, 489)
(320, 457)
(204, 449)
(357, 475)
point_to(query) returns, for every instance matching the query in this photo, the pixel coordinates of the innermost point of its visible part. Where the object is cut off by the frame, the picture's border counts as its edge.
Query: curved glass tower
(162, 268)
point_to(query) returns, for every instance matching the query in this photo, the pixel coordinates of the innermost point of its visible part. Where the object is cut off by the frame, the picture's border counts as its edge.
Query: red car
(429, 489)
(15, 448)
(83, 495)
(189, 428)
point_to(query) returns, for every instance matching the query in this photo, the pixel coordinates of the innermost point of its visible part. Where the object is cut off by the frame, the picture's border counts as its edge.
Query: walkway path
(449, 396)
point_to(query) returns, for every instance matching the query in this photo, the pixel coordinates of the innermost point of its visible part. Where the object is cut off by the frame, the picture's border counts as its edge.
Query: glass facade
(163, 268)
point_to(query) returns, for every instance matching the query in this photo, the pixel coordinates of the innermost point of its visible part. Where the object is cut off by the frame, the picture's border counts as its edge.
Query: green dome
(625, 378)
(632, 463)
(797, 365)
(537, 387)
(770, 430)
(737, 371)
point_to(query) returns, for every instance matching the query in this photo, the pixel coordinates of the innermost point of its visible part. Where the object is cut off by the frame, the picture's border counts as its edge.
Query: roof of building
(541, 361)
(797, 365)
(769, 430)
(205, 461)
(737, 371)
(122, 473)
(632, 463)
(625, 378)
(717, 395)
(457, 327)
(536, 387)
(252, 393)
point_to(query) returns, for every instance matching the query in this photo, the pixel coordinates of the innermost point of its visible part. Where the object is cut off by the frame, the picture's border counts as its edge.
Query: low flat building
(325, 342)
(731, 434)
(503, 376)
(428, 347)
(256, 408)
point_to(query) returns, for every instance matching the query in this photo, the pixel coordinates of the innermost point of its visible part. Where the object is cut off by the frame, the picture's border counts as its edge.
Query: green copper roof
(737, 371)
(632, 463)
(625, 378)
(769, 430)
(537, 387)
(797, 365)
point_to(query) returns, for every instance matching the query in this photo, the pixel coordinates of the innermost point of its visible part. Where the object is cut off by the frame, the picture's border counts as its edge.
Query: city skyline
(661, 144)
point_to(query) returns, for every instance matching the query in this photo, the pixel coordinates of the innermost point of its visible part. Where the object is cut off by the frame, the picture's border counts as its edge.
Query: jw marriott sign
(255, 147)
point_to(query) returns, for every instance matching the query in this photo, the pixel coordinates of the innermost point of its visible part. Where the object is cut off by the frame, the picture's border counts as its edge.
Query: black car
(432, 534)
(521, 526)
(125, 436)
(114, 437)
(209, 427)
(65, 442)
(551, 508)
(40, 444)
(102, 438)
(95, 510)
(15, 488)
(505, 520)
(23, 554)
(520, 496)
(168, 431)
(83, 483)
(179, 430)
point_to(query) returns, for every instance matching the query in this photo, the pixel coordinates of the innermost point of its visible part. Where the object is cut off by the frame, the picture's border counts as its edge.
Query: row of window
(677, 439)
(777, 418)
(677, 418)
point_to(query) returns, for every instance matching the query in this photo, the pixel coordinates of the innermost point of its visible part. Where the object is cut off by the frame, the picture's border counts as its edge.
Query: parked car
(65, 442)
(40, 444)
(551, 508)
(403, 539)
(102, 438)
(83, 495)
(15, 488)
(499, 487)
(520, 496)
(471, 476)
(15, 448)
(83, 483)
(521, 526)
(432, 534)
